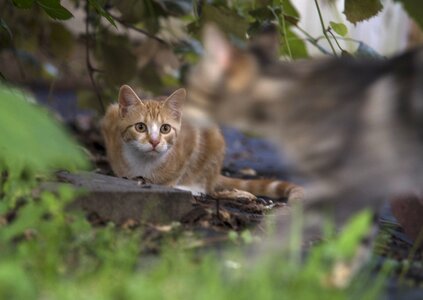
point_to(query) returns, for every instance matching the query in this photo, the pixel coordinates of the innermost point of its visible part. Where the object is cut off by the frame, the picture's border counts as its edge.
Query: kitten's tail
(263, 187)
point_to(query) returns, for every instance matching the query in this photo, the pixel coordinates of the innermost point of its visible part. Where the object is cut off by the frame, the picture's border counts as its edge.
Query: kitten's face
(150, 126)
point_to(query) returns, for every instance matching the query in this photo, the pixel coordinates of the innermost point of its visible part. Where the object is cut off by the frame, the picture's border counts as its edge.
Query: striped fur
(263, 187)
(189, 156)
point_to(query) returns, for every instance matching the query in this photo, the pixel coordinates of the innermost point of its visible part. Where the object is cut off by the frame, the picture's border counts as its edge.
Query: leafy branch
(323, 27)
(52, 7)
(312, 40)
(329, 30)
(282, 25)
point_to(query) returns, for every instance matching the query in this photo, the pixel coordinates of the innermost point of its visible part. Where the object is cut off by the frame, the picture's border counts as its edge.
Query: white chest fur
(141, 163)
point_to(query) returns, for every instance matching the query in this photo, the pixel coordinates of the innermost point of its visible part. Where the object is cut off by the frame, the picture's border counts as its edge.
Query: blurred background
(74, 55)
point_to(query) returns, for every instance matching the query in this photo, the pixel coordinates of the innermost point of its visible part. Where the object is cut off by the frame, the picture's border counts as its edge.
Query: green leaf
(339, 28)
(23, 3)
(414, 9)
(352, 234)
(296, 45)
(289, 9)
(360, 10)
(54, 9)
(15, 281)
(100, 10)
(30, 139)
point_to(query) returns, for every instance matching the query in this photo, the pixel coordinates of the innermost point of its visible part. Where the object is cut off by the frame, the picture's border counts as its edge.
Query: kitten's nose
(154, 143)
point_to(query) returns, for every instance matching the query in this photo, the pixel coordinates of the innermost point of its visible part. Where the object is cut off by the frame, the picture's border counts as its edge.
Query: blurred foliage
(24, 127)
(117, 61)
(52, 7)
(32, 144)
(339, 28)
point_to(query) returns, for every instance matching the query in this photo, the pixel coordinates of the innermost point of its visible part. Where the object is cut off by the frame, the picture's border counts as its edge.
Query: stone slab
(118, 199)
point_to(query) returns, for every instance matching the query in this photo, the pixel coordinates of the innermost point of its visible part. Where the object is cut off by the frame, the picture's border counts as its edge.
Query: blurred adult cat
(352, 126)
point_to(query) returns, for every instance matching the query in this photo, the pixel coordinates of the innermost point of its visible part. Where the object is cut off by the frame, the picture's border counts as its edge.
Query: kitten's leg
(233, 194)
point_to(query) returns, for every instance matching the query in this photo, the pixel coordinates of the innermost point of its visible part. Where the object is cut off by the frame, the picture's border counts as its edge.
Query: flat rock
(120, 200)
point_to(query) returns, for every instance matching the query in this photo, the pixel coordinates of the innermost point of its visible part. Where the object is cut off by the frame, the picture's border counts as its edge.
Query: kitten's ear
(127, 99)
(175, 102)
(218, 50)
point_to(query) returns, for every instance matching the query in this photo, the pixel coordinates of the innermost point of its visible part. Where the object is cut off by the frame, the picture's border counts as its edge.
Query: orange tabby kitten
(149, 138)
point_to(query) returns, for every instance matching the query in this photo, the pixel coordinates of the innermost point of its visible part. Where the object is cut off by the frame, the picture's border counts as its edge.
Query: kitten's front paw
(244, 195)
(235, 194)
(141, 180)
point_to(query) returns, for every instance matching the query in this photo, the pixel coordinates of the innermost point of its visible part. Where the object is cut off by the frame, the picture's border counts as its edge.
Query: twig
(282, 20)
(218, 208)
(406, 267)
(131, 26)
(90, 68)
(309, 37)
(324, 28)
(336, 40)
(312, 40)
(282, 24)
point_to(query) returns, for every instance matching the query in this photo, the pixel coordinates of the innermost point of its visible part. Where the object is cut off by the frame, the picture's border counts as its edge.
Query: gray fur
(353, 127)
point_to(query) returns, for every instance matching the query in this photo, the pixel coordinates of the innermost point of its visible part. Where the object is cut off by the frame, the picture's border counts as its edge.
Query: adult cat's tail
(263, 187)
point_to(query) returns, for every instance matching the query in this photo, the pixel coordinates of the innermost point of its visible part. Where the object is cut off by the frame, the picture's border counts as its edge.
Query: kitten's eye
(165, 128)
(140, 127)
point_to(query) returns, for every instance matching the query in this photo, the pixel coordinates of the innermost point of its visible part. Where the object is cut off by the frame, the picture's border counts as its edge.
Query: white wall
(386, 32)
